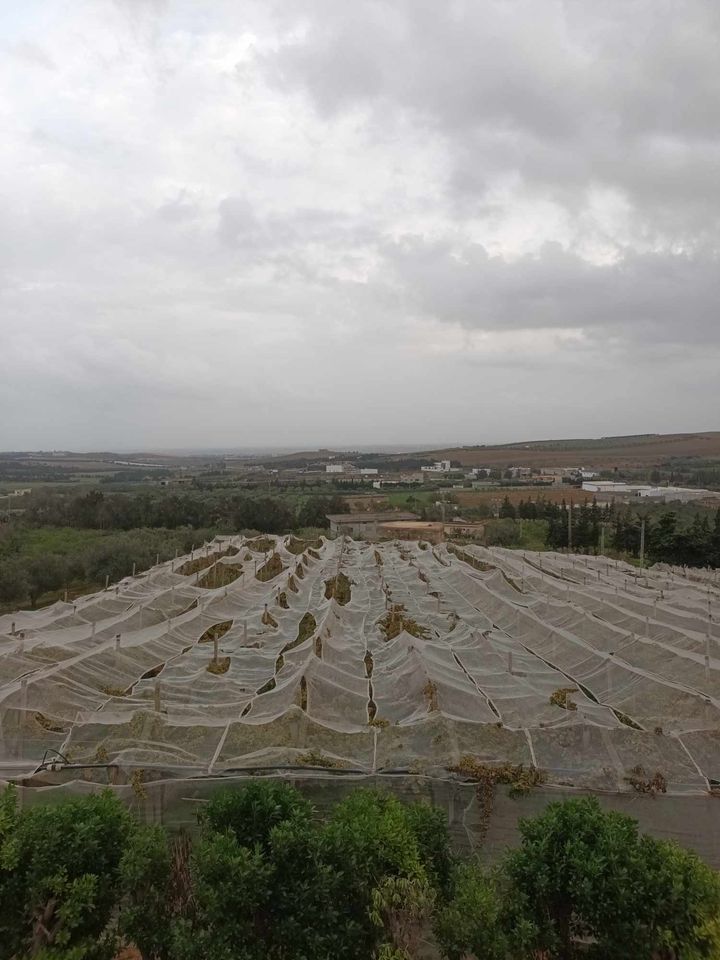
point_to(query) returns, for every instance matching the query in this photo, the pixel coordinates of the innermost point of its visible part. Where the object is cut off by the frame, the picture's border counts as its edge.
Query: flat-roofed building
(364, 526)
(430, 530)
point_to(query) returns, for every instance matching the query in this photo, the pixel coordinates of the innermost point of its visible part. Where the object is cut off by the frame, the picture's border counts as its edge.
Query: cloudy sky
(299, 222)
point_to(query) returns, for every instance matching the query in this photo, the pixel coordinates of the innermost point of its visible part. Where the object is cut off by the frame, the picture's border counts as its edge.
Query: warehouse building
(364, 526)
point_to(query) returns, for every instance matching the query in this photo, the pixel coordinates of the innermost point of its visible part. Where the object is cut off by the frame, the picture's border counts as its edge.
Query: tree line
(137, 532)
(118, 511)
(263, 878)
(693, 542)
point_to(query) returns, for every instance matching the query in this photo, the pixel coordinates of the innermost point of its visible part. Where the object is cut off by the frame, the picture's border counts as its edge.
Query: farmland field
(604, 453)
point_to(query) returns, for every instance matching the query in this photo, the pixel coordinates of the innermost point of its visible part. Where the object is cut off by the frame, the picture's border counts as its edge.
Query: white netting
(205, 664)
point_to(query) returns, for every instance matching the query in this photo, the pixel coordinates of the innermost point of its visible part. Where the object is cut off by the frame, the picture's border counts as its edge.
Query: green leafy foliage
(469, 923)
(251, 812)
(59, 876)
(265, 879)
(145, 872)
(585, 874)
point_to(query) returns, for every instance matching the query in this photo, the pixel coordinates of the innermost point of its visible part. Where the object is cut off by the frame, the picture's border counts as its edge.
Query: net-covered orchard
(344, 657)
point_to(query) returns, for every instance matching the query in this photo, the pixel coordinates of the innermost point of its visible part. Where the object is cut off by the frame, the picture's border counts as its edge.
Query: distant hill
(641, 450)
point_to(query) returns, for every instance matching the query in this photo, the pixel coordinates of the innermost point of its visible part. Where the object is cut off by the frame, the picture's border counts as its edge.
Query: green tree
(507, 510)
(145, 874)
(469, 924)
(585, 874)
(59, 876)
(252, 811)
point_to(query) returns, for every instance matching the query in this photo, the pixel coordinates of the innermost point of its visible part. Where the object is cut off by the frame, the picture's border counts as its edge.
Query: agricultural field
(604, 453)
(344, 658)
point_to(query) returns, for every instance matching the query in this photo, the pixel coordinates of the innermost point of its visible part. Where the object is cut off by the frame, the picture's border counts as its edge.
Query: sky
(307, 222)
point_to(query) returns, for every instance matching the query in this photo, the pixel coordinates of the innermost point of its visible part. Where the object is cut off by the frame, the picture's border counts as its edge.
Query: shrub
(59, 876)
(585, 874)
(469, 924)
(251, 812)
(145, 874)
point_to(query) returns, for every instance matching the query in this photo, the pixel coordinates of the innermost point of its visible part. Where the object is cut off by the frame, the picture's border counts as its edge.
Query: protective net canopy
(270, 654)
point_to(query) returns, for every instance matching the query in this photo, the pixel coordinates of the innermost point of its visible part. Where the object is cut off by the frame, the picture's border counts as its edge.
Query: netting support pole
(245, 634)
(12, 629)
(117, 641)
(157, 696)
(642, 543)
(216, 642)
(23, 711)
(510, 662)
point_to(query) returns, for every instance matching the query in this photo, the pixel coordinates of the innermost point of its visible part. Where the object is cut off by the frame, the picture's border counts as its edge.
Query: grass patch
(47, 724)
(202, 563)
(314, 758)
(216, 631)
(271, 569)
(283, 600)
(396, 620)
(306, 628)
(561, 698)
(380, 722)
(626, 720)
(261, 544)
(268, 620)
(221, 665)
(430, 692)
(297, 546)
(642, 782)
(221, 575)
(338, 588)
(115, 691)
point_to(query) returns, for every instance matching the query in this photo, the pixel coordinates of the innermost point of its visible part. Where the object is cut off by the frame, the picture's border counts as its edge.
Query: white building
(440, 466)
(612, 488)
(683, 494)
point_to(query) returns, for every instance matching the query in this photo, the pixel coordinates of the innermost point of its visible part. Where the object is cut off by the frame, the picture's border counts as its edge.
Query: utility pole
(570, 527)
(642, 543)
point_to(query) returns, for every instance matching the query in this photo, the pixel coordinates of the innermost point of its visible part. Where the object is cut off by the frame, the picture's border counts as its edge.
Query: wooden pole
(642, 543)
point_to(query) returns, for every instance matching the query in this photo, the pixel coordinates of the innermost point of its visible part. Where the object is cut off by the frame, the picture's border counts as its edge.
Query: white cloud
(392, 221)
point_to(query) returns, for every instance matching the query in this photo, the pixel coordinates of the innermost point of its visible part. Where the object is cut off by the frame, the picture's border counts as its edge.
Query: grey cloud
(569, 95)
(648, 298)
(314, 222)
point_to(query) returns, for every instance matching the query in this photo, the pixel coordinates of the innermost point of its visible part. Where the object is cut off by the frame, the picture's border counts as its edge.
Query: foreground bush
(265, 879)
(59, 877)
(585, 875)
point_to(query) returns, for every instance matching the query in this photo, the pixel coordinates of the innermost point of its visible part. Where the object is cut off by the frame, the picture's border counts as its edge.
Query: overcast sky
(315, 222)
